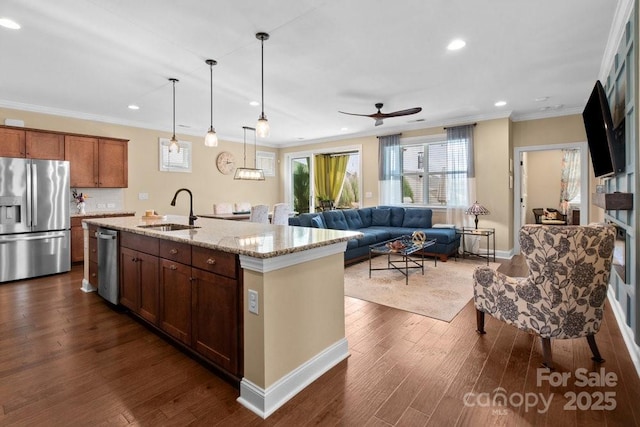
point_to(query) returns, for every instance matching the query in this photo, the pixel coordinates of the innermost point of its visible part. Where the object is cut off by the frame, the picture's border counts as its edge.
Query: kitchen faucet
(192, 217)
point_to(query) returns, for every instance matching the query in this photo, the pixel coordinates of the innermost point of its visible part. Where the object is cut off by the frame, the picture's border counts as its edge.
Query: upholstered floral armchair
(563, 296)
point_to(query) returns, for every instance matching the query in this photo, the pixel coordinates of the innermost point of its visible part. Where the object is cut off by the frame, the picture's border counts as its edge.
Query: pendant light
(173, 142)
(211, 139)
(251, 174)
(262, 128)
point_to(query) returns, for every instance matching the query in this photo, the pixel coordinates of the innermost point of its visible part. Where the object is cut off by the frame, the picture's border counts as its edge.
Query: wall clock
(225, 162)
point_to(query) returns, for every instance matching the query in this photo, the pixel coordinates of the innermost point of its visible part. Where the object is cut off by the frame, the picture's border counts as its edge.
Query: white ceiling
(92, 58)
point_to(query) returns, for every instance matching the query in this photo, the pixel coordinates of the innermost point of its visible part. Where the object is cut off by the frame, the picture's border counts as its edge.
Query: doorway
(525, 180)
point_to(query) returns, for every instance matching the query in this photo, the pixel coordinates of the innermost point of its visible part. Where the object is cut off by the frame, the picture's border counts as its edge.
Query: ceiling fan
(380, 115)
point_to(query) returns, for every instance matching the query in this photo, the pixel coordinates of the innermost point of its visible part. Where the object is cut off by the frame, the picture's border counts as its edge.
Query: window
(177, 161)
(434, 172)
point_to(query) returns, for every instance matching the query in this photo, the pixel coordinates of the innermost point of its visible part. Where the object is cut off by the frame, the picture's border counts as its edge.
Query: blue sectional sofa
(379, 224)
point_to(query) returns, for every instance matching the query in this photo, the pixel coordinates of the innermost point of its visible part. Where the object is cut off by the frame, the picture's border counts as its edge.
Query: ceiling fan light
(262, 127)
(211, 139)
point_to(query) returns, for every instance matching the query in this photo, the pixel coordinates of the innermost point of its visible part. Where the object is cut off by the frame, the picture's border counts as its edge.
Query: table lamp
(477, 209)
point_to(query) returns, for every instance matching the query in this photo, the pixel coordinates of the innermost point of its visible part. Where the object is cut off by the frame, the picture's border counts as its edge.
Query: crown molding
(547, 114)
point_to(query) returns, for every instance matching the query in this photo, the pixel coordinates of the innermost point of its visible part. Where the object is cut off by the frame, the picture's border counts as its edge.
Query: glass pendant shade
(262, 127)
(211, 139)
(245, 173)
(173, 145)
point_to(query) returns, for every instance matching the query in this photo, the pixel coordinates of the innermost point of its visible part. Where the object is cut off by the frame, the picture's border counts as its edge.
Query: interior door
(523, 189)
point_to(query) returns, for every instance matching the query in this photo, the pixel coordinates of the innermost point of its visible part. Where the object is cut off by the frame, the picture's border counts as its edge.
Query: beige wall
(207, 184)
(494, 142)
(543, 181)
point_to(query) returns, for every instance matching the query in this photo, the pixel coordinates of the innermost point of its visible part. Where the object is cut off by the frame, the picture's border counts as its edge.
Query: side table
(489, 233)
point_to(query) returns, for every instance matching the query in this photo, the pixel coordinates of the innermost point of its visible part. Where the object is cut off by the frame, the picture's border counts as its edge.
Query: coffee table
(401, 260)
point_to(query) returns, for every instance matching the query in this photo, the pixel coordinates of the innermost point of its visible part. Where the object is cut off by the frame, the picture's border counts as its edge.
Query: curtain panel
(389, 170)
(569, 178)
(330, 171)
(460, 187)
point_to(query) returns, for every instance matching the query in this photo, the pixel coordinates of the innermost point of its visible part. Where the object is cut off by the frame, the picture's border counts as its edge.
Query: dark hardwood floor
(67, 358)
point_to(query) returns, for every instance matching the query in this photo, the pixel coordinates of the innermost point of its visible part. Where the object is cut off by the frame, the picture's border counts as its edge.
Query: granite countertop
(102, 213)
(238, 237)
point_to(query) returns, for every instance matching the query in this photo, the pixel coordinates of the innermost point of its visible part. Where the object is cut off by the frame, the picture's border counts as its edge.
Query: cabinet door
(43, 145)
(12, 142)
(82, 153)
(113, 165)
(77, 240)
(215, 318)
(175, 300)
(149, 295)
(129, 278)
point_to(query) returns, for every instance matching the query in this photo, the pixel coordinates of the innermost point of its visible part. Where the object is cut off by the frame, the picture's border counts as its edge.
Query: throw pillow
(316, 222)
(381, 217)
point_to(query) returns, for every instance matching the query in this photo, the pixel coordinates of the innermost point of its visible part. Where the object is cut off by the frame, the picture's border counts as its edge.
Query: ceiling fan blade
(378, 122)
(354, 114)
(406, 112)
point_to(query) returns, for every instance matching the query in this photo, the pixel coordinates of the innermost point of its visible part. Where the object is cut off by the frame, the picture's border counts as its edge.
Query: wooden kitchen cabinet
(44, 145)
(93, 256)
(12, 142)
(97, 162)
(139, 270)
(216, 318)
(175, 300)
(77, 240)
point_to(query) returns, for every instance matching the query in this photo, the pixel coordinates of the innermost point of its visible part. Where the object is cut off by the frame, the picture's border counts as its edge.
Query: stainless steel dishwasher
(108, 281)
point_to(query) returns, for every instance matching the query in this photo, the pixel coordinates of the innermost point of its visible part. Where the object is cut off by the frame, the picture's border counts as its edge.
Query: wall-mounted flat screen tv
(607, 151)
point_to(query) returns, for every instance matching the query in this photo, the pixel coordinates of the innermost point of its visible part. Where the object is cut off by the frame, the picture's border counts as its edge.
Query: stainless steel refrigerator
(34, 218)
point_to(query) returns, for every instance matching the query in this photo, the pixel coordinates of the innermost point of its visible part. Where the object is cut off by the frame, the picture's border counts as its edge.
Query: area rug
(441, 293)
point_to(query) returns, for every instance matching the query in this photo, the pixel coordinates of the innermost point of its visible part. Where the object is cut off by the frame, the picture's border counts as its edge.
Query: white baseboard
(627, 332)
(86, 286)
(266, 402)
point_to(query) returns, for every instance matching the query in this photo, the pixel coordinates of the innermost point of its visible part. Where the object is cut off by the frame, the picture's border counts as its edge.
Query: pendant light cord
(262, 73)
(174, 108)
(211, 81)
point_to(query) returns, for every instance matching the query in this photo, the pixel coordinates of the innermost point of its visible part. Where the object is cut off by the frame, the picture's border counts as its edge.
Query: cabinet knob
(93, 250)
(93, 274)
(173, 267)
(211, 261)
(173, 251)
(133, 259)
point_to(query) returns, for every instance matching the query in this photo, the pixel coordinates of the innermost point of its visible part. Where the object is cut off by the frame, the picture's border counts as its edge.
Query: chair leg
(591, 339)
(480, 322)
(546, 353)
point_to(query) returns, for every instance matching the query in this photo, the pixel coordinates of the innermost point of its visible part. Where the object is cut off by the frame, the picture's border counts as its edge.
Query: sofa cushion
(381, 217)
(380, 234)
(317, 222)
(397, 215)
(365, 215)
(304, 219)
(442, 235)
(353, 219)
(353, 243)
(335, 220)
(417, 218)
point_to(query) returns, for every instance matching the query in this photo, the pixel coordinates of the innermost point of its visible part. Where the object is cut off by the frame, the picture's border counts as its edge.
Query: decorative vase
(80, 207)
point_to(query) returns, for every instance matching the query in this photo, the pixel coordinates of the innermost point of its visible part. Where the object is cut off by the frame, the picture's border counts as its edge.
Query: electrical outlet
(111, 205)
(143, 196)
(101, 206)
(253, 301)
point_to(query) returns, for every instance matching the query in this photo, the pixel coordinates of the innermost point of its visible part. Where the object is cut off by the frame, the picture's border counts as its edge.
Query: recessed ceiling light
(542, 98)
(344, 129)
(9, 23)
(133, 107)
(500, 103)
(300, 138)
(254, 103)
(456, 44)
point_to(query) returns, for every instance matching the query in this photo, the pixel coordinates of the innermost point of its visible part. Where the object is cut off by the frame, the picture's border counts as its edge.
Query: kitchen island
(287, 285)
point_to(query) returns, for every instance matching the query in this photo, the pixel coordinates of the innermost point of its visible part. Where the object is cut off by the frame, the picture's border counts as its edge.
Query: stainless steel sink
(168, 227)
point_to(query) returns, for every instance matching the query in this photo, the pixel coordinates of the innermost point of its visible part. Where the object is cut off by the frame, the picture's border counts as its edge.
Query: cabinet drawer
(93, 249)
(93, 273)
(93, 229)
(140, 243)
(179, 252)
(214, 261)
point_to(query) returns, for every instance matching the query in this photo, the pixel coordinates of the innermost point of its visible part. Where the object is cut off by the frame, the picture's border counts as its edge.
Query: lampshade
(477, 209)
(245, 173)
(262, 127)
(173, 142)
(211, 139)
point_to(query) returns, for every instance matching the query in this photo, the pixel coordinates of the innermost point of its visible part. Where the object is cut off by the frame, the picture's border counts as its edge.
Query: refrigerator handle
(29, 198)
(34, 195)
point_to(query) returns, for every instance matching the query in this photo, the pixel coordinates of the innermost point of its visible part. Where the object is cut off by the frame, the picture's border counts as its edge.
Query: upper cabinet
(32, 144)
(97, 162)
(94, 161)
(44, 145)
(12, 142)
